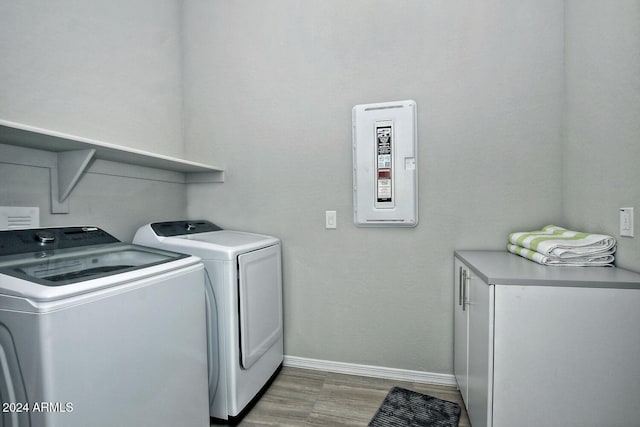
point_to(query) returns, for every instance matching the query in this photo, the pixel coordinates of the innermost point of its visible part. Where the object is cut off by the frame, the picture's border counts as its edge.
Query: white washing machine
(96, 332)
(244, 307)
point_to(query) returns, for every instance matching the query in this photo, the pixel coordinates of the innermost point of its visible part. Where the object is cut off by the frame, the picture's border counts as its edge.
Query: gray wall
(601, 171)
(107, 70)
(118, 203)
(508, 115)
(269, 88)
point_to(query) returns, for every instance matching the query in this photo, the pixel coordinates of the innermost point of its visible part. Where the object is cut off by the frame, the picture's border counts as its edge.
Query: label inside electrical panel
(384, 173)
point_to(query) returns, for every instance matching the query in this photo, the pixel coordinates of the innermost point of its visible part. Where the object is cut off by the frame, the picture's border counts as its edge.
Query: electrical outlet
(626, 222)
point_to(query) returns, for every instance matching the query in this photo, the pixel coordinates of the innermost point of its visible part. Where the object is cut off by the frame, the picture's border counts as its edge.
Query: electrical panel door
(385, 164)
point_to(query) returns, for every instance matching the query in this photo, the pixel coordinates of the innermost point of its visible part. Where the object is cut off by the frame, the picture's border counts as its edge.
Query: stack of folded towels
(555, 245)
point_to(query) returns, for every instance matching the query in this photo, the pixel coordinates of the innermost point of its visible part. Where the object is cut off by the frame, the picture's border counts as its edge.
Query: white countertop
(504, 268)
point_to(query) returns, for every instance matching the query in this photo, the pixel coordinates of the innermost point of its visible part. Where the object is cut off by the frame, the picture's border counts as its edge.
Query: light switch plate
(626, 222)
(330, 219)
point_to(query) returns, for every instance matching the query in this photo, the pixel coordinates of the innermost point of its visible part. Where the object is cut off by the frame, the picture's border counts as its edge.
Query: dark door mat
(406, 408)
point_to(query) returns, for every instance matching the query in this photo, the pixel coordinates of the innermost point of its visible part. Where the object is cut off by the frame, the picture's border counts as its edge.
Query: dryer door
(260, 292)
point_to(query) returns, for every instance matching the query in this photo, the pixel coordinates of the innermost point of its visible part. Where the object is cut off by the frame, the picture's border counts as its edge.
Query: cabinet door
(576, 350)
(461, 325)
(480, 296)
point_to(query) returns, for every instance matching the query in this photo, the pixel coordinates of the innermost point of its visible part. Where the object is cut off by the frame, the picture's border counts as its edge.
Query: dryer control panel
(180, 228)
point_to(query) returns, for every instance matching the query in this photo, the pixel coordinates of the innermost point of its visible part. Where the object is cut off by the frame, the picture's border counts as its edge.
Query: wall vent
(16, 217)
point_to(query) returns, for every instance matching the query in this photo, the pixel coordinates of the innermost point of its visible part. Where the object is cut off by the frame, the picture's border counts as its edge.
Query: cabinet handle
(460, 286)
(464, 290)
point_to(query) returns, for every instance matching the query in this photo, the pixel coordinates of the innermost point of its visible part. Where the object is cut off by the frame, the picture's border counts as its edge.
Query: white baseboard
(370, 371)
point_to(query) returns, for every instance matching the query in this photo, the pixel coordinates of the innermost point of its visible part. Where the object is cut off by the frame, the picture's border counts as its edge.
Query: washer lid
(67, 266)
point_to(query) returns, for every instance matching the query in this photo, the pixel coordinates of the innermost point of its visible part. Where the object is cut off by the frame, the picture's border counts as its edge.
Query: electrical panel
(385, 143)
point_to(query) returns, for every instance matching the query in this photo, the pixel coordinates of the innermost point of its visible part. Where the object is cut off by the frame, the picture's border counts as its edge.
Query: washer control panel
(39, 239)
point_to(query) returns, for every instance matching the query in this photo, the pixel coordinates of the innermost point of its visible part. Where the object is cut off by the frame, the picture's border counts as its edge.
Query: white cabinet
(546, 346)
(461, 330)
(473, 352)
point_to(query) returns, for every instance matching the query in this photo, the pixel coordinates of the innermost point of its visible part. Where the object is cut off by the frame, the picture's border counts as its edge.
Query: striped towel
(555, 245)
(603, 260)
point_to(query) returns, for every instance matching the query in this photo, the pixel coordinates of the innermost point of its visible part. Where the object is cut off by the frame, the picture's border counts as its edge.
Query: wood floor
(300, 397)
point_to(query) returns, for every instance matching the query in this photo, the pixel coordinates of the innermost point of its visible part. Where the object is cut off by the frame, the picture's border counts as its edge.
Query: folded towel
(598, 260)
(561, 243)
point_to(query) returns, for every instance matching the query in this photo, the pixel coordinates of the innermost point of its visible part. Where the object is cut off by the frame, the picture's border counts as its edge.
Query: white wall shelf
(74, 154)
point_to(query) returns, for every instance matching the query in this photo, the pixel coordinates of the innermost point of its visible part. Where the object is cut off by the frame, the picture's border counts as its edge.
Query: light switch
(626, 222)
(330, 219)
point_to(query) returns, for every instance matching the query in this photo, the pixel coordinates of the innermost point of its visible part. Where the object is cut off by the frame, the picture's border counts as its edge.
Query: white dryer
(96, 332)
(244, 307)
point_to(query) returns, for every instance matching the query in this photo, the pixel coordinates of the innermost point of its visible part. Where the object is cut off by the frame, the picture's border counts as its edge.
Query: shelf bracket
(57, 207)
(71, 165)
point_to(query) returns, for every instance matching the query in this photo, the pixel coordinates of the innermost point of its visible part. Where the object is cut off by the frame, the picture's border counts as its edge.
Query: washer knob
(45, 237)
(190, 227)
